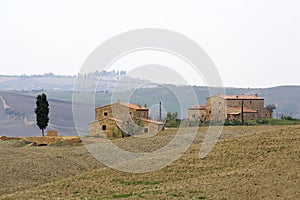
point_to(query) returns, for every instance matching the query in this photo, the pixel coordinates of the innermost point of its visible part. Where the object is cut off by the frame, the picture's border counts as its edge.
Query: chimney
(256, 95)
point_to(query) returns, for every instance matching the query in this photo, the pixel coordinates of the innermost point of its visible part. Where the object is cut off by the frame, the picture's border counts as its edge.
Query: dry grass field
(259, 162)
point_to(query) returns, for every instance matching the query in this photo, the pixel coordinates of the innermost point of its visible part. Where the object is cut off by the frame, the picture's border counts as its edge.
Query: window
(145, 130)
(219, 111)
(209, 112)
(105, 113)
(250, 102)
(219, 103)
(103, 127)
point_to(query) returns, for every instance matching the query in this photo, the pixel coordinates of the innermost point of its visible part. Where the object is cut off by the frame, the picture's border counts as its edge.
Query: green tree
(171, 120)
(271, 107)
(42, 112)
(171, 116)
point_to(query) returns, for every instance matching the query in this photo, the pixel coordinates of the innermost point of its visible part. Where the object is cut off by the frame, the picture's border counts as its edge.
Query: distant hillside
(286, 98)
(20, 121)
(51, 82)
(20, 118)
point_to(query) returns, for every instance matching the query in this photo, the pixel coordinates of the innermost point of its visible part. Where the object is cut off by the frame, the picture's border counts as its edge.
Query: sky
(252, 43)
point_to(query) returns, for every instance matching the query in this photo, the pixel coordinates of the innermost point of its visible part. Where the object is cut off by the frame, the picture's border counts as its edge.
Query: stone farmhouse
(229, 107)
(123, 119)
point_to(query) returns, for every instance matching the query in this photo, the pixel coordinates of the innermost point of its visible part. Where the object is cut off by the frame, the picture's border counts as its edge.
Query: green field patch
(140, 182)
(119, 196)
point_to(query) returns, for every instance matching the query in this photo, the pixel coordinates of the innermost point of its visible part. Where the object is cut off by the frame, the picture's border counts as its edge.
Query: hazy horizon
(155, 82)
(252, 43)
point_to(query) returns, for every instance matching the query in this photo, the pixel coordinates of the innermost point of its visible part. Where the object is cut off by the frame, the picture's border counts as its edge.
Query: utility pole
(159, 111)
(243, 121)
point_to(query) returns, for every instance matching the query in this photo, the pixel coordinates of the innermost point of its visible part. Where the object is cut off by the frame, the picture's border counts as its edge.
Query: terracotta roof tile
(246, 97)
(133, 106)
(115, 119)
(129, 105)
(111, 118)
(198, 107)
(237, 110)
(152, 121)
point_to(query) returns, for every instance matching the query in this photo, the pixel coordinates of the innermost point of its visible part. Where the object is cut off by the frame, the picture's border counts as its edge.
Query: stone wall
(196, 114)
(253, 104)
(215, 109)
(52, 140)
(52, 133)
(104, 128)
(267, 114)
(247, 116)
(152, 128)
(118, 120)
(117, 111)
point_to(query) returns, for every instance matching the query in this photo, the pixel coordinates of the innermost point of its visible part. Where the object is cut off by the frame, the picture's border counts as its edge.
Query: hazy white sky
(252, 43)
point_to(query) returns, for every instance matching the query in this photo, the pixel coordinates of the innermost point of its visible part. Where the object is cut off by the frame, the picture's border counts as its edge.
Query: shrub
(288, 118)
(262, 121)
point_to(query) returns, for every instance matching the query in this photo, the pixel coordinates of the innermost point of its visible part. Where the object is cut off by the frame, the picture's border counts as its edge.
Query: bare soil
(247, 163)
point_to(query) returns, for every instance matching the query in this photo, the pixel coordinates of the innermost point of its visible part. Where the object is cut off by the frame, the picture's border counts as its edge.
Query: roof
(129, 105)
(133, 106)
(198, 107)
(111, 118)
(244, 97)
(121, 121)
(152, 121)
(115, 119)
(234, 110)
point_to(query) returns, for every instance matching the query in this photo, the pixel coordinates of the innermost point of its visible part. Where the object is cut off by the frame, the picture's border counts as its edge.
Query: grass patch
(23, 143)
(138, 182)
(272, 121)
(66, 143)
(177, 195)
(202, 197)
(14, 143)
(168, 170)
(195, 191)
(119, 196)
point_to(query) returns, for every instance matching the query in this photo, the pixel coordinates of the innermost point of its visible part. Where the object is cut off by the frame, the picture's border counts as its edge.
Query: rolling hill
(19, 120)
(51, 82)
(246, 163)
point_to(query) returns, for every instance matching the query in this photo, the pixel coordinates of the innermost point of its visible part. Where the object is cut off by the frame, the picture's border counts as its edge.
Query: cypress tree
(42, 112)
